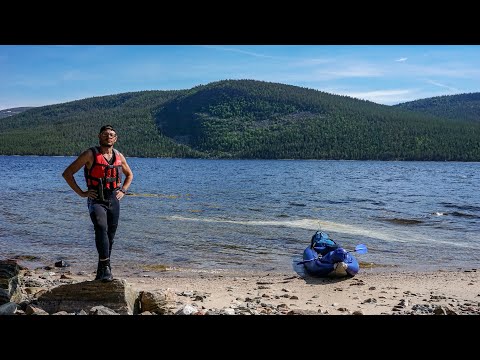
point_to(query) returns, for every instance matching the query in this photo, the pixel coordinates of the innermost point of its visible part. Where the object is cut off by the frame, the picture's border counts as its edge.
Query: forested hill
(13, 111)
(455, 107)
(242, 119)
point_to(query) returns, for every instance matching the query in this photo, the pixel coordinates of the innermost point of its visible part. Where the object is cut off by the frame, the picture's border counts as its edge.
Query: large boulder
(9, 282)
(117, 295)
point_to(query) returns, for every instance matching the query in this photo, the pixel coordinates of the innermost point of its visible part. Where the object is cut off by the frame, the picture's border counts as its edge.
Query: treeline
(456, 107)
(242, 119)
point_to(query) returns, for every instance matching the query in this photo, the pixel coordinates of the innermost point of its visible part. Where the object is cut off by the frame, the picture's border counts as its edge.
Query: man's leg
(113, 215)
(98, 215)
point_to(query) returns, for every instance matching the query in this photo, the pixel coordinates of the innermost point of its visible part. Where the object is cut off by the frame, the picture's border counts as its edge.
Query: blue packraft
(324, 257)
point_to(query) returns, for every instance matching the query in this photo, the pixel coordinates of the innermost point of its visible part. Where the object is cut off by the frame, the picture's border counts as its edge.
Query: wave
(401, 221)
(461, 207)
(460, 214)
(330, 226)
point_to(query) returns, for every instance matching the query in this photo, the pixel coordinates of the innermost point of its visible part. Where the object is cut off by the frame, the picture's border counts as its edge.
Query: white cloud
(443, 86)
(309, 62)
(402, 60)
(77, 75)
(386, 97)
(451, 70)
(251, 53)
(353, 72)
(33, 82)
(143, 71)
(320, 75)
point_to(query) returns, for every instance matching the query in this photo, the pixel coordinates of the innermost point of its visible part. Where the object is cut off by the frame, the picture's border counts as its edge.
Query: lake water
(249, 214)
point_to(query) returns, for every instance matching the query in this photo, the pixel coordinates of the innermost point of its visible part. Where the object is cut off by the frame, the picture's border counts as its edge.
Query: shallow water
(249, 214)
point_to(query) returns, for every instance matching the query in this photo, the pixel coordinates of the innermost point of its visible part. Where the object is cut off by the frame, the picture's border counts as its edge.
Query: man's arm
(128, 176)
(85, 158)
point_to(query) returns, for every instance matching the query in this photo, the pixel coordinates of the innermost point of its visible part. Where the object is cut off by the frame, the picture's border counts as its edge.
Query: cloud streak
(443, 86)
(250, 53)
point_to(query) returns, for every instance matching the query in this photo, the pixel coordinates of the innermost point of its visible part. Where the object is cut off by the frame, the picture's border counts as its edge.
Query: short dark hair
(106, 127)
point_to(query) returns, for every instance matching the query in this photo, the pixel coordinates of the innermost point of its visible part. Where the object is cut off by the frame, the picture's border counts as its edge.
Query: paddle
(360, 248)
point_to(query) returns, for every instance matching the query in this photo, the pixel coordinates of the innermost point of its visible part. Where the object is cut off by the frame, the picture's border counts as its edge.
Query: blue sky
(44, 75)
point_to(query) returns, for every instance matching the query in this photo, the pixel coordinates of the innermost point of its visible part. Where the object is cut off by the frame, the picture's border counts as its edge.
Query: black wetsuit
(104, 215)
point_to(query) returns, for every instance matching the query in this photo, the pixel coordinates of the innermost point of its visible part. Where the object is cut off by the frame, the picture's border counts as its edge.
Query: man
(102, 165)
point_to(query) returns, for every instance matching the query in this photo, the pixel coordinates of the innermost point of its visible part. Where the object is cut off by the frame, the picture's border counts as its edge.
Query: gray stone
(117, 295)
(187, 310)
(35, 310)
(102, 310)
(160, 302)
(302, 312)
(9, 283)
(8, 309)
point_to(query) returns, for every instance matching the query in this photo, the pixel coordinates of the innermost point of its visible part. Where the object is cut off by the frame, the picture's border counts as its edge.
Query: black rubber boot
(99, 270)
(106, 272)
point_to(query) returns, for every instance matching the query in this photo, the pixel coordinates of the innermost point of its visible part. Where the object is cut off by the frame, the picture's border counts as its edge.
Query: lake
(249, 214)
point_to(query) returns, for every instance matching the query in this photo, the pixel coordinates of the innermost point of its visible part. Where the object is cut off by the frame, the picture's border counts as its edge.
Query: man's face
(107, 138)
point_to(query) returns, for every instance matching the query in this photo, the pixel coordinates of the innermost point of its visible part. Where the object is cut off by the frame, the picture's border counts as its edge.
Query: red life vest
(102, 172)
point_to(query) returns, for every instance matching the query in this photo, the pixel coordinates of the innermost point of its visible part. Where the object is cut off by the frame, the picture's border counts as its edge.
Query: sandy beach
(368, 293)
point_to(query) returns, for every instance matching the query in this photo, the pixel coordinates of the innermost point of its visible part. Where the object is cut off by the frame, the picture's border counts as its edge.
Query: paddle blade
(361, 249)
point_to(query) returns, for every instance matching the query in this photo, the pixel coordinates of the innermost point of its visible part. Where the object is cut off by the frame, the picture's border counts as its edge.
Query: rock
(146, 313)
(160, 302)
(302, 312)
(9, 282)
(8, 309)
(61, 263)
(227, 311)
(102, 310)
(116, 295)
(187, 310)
(63, 313)
(35, 310)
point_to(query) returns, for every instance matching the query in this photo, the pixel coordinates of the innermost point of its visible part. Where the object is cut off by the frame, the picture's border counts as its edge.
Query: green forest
(248, 119)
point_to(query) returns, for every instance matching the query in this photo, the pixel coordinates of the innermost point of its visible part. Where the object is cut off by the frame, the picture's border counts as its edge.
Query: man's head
(107, 127)
(107, 136)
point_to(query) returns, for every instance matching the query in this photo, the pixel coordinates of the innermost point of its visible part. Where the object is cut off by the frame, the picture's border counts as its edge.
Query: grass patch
(155, 267)
(26, 257)
(370, 265)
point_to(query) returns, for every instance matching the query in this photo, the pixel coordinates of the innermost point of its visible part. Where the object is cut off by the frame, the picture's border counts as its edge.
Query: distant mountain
(13, 111)
(242, 119)
(455, 107)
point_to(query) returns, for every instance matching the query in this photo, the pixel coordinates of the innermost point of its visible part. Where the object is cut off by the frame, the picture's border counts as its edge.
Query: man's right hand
(92, 194)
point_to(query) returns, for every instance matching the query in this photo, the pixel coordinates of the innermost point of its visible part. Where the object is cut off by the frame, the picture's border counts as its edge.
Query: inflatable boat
(324, 257)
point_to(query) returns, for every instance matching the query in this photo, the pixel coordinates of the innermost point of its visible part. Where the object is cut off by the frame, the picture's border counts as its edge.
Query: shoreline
(377, 292)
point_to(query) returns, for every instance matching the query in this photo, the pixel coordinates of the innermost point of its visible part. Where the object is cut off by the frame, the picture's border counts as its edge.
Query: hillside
(69, 128)
(13, 111)
(242, 119)
(455, 107)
